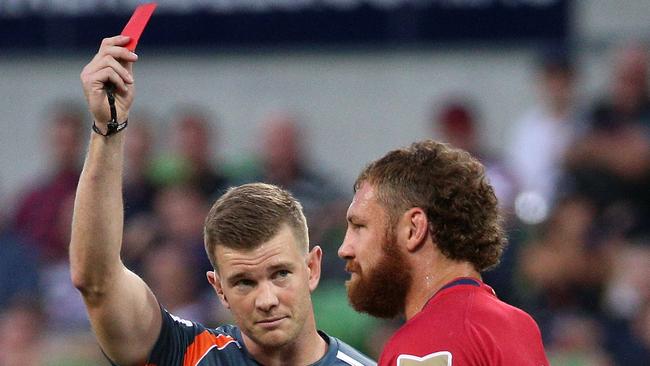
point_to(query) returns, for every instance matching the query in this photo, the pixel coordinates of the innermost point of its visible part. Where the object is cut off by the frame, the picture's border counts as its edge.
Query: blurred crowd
(573, 180)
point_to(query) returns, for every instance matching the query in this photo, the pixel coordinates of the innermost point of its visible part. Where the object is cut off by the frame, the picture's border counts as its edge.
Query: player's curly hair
(451, 187)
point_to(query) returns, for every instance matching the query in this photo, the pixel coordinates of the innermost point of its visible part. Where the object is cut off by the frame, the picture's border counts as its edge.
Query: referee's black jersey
(185, 343)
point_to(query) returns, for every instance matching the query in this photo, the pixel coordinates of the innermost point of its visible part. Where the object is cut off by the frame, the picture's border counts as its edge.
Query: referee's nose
(266, 298)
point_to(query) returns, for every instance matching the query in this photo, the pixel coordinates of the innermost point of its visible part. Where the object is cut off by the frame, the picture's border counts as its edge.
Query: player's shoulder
(489, 313)
(342, 354)
(495, 309)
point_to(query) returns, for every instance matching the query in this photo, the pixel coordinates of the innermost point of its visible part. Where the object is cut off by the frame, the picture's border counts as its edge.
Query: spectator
(456, 123)
(39, 207)
(64, 310)
(283, 162)
(577, 341)
(21, 335)
(540, 139)
(611, 162)
(614, 171)
(180, 211)
(141, 232)
(627, 302)
(19, 275)
(564, 268)
(170, 271)
(139, 188)
(627, 288)
(628, 95)
(191, 161)
(641, 328)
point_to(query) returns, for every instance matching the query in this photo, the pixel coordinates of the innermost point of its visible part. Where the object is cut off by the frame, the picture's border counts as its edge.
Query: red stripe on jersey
(203, 343)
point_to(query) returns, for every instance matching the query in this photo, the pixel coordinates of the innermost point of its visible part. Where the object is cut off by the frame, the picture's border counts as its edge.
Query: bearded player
(422, 226)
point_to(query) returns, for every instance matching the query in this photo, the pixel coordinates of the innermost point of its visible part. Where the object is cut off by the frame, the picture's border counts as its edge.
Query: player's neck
(430, 278)
(308, 348)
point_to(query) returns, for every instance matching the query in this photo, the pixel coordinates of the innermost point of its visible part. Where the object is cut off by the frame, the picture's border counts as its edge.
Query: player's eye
(356, 226)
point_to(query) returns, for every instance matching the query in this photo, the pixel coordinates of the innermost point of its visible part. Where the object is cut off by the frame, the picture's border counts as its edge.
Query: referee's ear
(314, 258)
(215, 282)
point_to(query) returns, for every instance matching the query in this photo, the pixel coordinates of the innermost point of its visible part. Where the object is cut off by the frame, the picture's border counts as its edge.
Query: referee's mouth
(271, 322)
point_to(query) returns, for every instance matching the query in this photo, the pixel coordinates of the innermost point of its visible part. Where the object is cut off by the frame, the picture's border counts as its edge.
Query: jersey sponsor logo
(434, 359)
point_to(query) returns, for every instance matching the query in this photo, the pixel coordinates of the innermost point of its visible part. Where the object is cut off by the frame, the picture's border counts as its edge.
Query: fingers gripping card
(136, 24)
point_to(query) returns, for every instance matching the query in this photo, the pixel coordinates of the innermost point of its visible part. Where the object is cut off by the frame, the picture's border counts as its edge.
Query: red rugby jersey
(465, 324)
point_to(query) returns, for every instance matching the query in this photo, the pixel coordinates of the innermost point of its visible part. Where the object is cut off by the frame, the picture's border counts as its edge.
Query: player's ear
(416, 228)
(215, 282)
(314, 258)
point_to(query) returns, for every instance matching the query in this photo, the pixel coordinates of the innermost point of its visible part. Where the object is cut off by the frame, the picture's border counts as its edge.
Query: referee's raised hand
(113, 63)
(123, 312)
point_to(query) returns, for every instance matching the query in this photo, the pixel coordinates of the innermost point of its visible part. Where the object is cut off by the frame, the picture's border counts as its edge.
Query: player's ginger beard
(381, 290)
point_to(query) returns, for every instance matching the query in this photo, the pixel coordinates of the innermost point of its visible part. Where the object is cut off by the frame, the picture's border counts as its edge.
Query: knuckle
(86, 77)
(107, 59)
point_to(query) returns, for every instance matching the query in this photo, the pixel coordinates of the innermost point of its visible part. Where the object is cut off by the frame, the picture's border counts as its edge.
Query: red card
(136, 24)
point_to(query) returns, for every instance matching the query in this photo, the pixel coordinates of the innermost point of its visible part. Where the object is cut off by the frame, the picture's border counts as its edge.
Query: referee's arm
(124, 313)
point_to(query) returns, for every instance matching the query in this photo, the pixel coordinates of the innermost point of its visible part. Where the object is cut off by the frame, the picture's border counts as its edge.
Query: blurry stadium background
(552, 95)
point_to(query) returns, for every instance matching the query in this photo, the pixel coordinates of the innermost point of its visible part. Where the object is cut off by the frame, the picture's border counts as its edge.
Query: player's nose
(346, 250)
